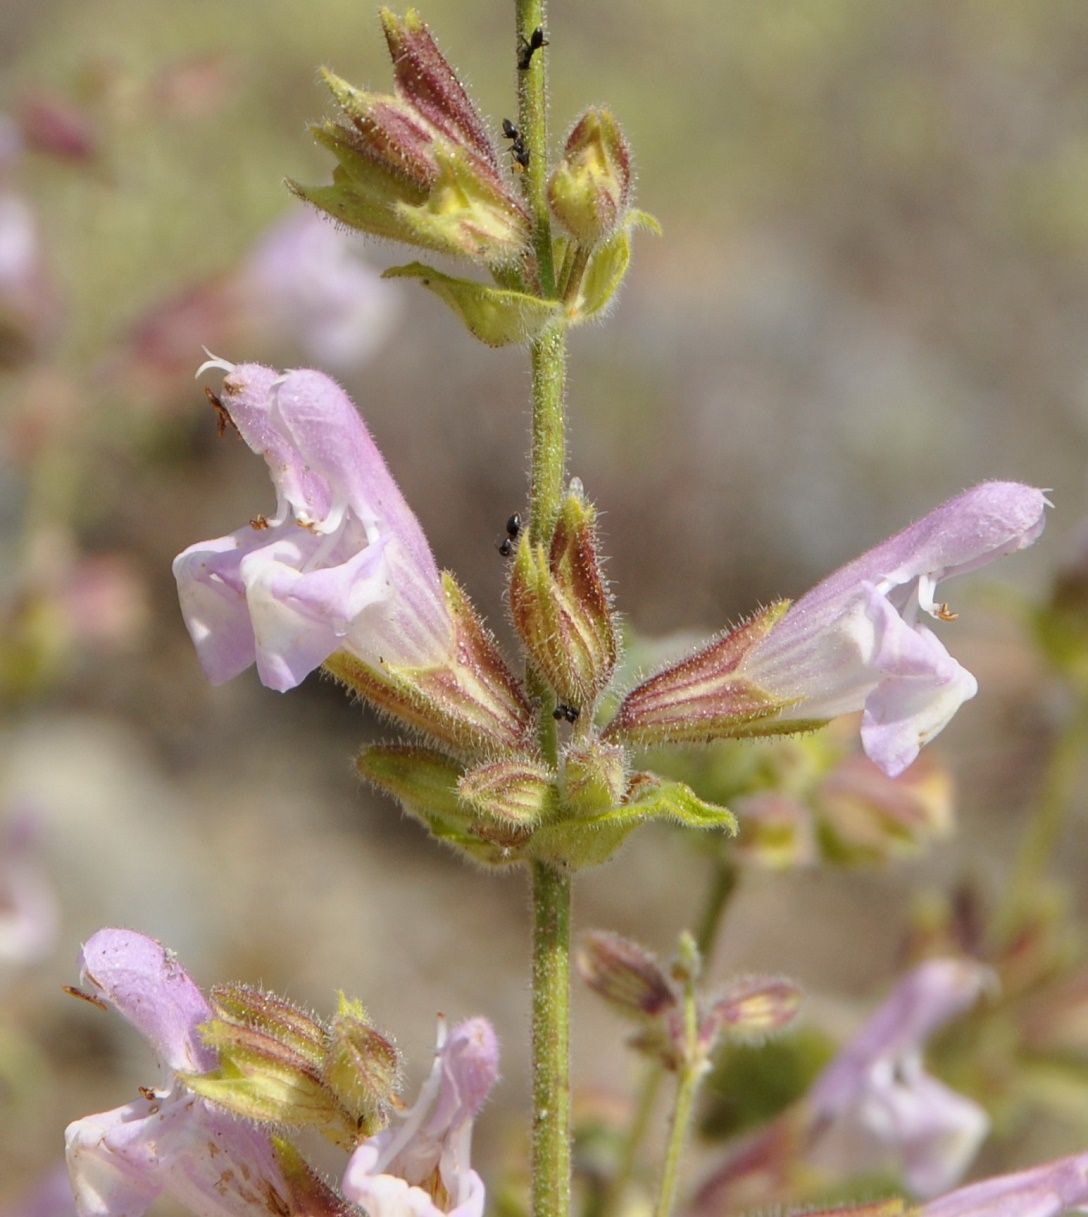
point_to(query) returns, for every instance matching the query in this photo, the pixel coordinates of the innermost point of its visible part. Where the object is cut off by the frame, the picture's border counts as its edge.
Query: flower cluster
(341, 575)
(228, 1156)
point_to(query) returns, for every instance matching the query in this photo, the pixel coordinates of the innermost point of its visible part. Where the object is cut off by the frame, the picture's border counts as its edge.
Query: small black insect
(528, 47)
(513, 530)
(570, 713)
(517, 144)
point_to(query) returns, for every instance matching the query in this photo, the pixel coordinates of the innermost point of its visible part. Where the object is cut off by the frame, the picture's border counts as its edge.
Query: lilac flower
(50, 1196)
(28, 304)
(29, 911)
(876, 1095)
(1044, 1191)
(342, 564)
(307, 282)
(855, 642)
(168, 1141)
(421, 1169)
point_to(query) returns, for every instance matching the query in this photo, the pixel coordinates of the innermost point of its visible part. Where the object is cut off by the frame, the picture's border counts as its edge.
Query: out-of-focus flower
(1044, 1191)
(29, 910)
(57, 128)
(50, 1196)
(63, 606)
(875, 1100)
(28, 306)
(342, 563)
(855, 642)
(839, 809)
(169, 1141)
(421, 1166)
(310, 286)
(305, 289)
(873, 1108)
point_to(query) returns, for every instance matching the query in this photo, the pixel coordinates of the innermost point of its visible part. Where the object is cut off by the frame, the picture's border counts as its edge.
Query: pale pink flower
(342, 563)
(875, 1102)
(168, 1141)
(421, 1166)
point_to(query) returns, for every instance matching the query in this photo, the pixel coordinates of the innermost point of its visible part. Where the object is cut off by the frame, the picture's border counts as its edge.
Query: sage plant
(534, 760)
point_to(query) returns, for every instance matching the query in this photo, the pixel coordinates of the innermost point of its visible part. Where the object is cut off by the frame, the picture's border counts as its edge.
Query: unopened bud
(362, 1067)
(590, 186)
(419, 167)
(594, 777)
(755, 1006)
(263, 1079)
(626, 975)
(295, 1028)
(426, 783)
(561, 606)
(516, 793)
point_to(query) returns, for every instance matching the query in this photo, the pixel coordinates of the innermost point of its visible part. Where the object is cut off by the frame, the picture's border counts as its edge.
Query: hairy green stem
(551, 1042)
(691, 1074)
(1048, 816)
(548, 460)
(551, 888)
(533, 125)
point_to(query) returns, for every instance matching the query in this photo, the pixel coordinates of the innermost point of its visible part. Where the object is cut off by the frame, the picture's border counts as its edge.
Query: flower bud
(242, 1005)
(626, 975)
(561, 605)
(261, 1078)
(426, 784)
(755, 1006)
(419, 167)
(362, 1067)
(515, 792)
(280, 1065)
(594, 777)
(589, 189)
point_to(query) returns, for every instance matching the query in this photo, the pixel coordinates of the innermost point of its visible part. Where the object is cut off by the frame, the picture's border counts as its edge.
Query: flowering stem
(551, 1041)
(1037, 846)
(533, 125)
(551, 888)
(548, 355)
(691, 1073)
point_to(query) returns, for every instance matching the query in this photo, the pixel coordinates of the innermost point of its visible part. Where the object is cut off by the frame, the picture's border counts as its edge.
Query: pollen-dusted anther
(223, 419)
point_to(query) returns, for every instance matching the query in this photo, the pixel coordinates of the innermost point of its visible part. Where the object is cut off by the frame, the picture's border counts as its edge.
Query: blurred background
(870, 294)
